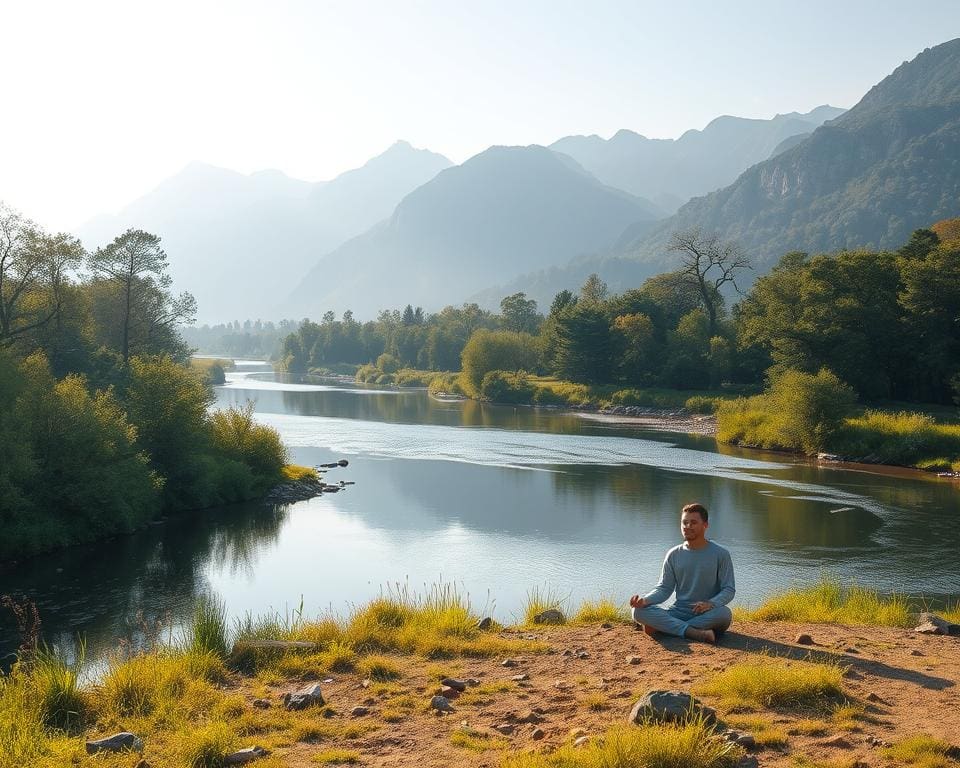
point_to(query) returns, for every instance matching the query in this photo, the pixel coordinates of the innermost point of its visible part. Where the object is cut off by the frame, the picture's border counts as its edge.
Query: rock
(485, 623)
(576, 733)
(520, 678)
(745, 740)
(634, 660)
(583, 655)
(538, 733)
(915, 652)
(441, 704)
(303, 698)
(244, 756)
(748, 761)
(505, 728)
(803, 639)
(931, 624)
(473, 682)
(359, 711)
(530, 717)
(449, 693)
(606, 625)
(510, 663)
(567, 652)
(669, 706)
(261, 704)
(875, 698)
(119, 742)
(827, 457)
(452, 682)
(550, 616)
(365, 683)
(838, 741)
(581, 741)
(342, 463)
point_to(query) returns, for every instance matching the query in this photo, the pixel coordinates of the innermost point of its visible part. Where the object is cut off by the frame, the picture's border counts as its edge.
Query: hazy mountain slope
(505, 211)
(888, 166)
(666, 170)
(239, 242)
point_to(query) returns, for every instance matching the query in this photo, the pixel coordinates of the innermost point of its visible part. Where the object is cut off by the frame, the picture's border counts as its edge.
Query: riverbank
(845, 695)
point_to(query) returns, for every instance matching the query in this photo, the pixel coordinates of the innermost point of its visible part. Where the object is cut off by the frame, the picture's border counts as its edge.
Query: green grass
(779, 685)
(208, 632)
(767, 734)
(648, 746)
(951, 613)
(828, 602)
(921, 751)
(601, 611)
(336, 757)
(379, 668)
(540, 600)
(296, 472)
(54, 684)
(476, 741)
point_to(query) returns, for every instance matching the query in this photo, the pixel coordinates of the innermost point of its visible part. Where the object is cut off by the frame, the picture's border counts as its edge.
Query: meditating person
(701, 574)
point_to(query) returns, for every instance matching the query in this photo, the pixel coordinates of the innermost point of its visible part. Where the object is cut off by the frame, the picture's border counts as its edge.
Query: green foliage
(922, 751)
(236, 435)
(829, 602)
(208, 628)
(907, 439)
(583, 343)
(495, 351)
(778, 684)
(799, 411)
(53, 682)
(388, 363)
(503, 387)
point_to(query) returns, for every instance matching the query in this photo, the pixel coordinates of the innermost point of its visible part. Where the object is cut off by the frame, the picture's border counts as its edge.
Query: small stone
(561, 685)
(581, 741)
(748, 761)
(441, 704)
(510, 663)
(684, 671)
(485, 623)
(915, 652)
(520, 678)
(473, 682)
(244, 756)
(851, 649)
(745, 740)
(452, 682)
(567, 652)
(837, 741)
(550, 616)
(634, 660)
(530, 717)
(583, 655)
(261, 704)
(359, 711)
(576, 733)
(538, 733)
(803, 639)
(449, 693)
(606, 625)
(505, 728)
(365, 683)
(875, 698)
(304, 698)
(119, 742)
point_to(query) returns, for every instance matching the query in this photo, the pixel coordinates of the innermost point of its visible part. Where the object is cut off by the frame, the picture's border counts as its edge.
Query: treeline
(256, 339)
(886, 323)
(103, 423)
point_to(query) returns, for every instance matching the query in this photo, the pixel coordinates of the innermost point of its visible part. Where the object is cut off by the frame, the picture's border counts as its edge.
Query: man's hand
(637, 602)
(702, 607)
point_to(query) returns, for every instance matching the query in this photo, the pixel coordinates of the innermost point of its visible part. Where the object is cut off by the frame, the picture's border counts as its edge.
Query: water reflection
(498, 499)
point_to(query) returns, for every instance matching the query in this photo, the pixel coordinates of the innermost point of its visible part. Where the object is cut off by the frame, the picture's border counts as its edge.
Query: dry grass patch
(207, 745)
(809, 727)
(921, 751)
(485, 693)
(336, 757)
(776, 684)
(766, 733)
(596, 702)
(658, 746)
(849, 716)
(379, 668)
(540, 600)
(400, 707)
(477, 741)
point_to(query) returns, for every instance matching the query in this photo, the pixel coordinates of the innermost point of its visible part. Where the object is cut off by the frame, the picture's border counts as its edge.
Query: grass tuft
(336, 757)
(540, 600)
(476, 741)
(379, 668)
(646, 746)
(54, 684)
(923, 751)
(206, 746)
(208, 629)
(828, 602)
(778, 685)
(600, 611)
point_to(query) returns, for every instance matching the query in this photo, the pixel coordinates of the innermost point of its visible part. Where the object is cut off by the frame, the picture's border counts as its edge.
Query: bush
(701, 404)
(237, 436)
(503, 387)
(387, 363)
(902, 438)
(487, 351)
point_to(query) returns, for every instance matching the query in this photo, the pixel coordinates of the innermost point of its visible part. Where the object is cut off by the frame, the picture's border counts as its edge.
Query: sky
(103, 100)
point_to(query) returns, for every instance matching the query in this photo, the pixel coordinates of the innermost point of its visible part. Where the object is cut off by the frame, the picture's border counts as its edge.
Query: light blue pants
(675, 619)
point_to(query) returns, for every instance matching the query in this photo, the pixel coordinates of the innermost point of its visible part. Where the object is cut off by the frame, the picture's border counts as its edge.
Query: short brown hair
(699, 509)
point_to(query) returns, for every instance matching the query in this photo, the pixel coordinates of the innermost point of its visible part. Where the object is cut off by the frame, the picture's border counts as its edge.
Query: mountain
(505, 211)
(889, 165)
(670, 172)
(238, 242)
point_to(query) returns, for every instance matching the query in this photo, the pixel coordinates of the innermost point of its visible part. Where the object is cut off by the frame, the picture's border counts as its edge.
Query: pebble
(510, 663)
(875, 698)
(485, 623)
(359, 711)
(583, 655)
(505, 728)
(538, 733)
(633, 660)
(803, 639)
(452, 682)
(579, 742)
(261, 704)
(441, 704)
(520, 678)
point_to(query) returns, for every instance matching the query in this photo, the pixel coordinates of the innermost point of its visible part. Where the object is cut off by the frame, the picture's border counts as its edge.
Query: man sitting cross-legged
(701, 573)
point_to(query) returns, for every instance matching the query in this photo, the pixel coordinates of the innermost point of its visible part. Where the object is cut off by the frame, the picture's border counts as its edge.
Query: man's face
(692, 526)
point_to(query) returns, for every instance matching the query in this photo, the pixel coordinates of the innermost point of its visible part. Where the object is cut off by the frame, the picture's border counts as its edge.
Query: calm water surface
(497, 500)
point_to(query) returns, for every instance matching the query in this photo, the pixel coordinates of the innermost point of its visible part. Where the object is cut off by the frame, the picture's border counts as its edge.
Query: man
(701, 573)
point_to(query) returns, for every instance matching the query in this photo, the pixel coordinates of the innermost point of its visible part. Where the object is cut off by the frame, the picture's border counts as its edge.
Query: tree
(33, 268)
(136, 264)
(496, 351)
(583, 351)
(636, 336)
(594, 290)
(519, 313)
(709, 263)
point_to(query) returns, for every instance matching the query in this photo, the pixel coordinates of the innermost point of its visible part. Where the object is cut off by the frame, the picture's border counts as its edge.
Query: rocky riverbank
(403, 710)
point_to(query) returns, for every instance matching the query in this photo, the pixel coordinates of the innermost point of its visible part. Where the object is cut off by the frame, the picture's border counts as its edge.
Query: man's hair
(699, 509)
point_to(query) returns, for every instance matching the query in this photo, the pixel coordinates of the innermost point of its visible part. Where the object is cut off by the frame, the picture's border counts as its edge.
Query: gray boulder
(670, 706)
(303, 698)
(119, 742)
(244, 756)
(441, 704)
(931, 624)
(550, 616)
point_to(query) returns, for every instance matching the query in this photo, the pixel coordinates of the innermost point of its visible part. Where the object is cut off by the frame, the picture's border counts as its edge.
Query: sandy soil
(907, 682)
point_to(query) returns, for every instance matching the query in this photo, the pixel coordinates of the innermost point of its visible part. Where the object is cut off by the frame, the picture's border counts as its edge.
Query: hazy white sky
(102, 100)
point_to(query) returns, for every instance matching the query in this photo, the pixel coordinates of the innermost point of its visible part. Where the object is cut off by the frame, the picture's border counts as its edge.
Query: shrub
(921, 750)
(387, 363)
(208, 629)
(487, 351)
(237, 436)
(701, 404)
(503, 387)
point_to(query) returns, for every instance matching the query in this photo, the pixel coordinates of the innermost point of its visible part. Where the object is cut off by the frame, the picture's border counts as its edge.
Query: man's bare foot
(703, 635)
(649, 630)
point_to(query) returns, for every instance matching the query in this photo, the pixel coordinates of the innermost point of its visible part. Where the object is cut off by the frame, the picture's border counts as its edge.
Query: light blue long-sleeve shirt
(695, 575)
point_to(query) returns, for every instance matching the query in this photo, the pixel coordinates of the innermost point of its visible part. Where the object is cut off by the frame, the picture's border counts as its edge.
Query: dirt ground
(906, 681)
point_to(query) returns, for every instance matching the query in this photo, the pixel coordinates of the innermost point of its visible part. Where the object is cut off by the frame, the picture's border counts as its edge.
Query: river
(496, 500)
